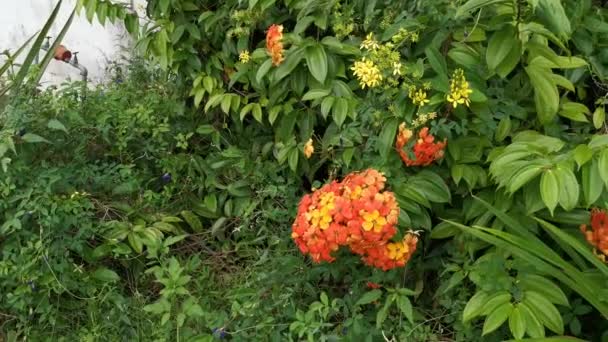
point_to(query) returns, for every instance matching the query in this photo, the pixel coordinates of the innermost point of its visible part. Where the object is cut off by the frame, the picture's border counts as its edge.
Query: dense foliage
(175, 202)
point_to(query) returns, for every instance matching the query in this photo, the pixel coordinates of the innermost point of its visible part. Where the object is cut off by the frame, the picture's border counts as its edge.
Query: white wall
(97, 45)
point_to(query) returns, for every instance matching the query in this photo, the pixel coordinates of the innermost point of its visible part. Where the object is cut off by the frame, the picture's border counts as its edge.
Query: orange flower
(274, 46)
(425, 150)
(373, 285)
(309, 149)
(354, 213)
(598, 235)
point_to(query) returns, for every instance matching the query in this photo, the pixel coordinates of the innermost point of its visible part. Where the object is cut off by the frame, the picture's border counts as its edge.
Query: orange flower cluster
(426, 150)
(354, 213)
(598, 235)
(274, 44)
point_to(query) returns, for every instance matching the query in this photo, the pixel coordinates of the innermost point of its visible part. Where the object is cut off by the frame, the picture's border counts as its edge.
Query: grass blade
(35, 49)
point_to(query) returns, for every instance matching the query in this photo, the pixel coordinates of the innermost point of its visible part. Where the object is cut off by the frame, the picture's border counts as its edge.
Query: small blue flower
(219, 333)
(21, 132)
(32, 286)
(118, 80)
(166, 178)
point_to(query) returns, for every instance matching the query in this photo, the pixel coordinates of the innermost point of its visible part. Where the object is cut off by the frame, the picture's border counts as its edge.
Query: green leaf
(534, 327)
(405, 306)
(510, 61)
(457, 171)
(568, 188)
(574, 111)
(326, 105)
(387, 137)
(369, 297)
(257, 112)
(602, 165)
(437, 62)
(599, 117)
(582, 154)
(496, 318)
(90, 9)
(494, 301)
(314, 94)
(192, 220)
(340, 110)
(316, 60)
(263, 70)
(474, 306)
(473, 5)
(517, 324)
(546, 96)
(226, 103)
(500, 45)
(549, 189)
(544, 287)
(444, 230)
(545, 311)
(592, 182)
(291, 62)
(525, 175)
(293, 159)
(210, 203)
(503, 129)
(34, 138)
(431, 186)
(553, 15)
(106, 275)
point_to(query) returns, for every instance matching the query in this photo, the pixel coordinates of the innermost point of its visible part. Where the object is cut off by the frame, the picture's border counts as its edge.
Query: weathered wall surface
(97, 45)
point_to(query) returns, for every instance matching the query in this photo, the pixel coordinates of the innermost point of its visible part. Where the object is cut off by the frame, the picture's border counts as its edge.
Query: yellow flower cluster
(397, 250)
(244, 57)
(373, 221)
(423, 118)
(367, 73)
(459, 89)
(321, 218)
(309, 149)
(403, 34)
(369, 43)
(418, 96)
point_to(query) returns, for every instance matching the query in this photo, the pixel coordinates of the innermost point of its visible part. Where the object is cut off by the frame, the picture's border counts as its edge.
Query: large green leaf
(473, 5)
(517, 324)
(592, 182)
(474, 306)
(568, 188)
(316, 60)
(549, 189)
(496, 318)
(500, 45)
(546, 96)
(545, 311)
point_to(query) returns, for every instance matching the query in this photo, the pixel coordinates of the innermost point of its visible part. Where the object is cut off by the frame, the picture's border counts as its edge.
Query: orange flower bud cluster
(598, 235)
(354, 213)
(425, 149)
(274, 46)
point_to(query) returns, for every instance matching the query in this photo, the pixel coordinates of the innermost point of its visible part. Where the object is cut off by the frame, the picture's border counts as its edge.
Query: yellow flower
(373, 220)
(369, 43)
(367, 73)
(459, 89)
(414, 37)
(396, 68)
(244, 56)
(309, 149)
(397, 250)
(419, 97)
